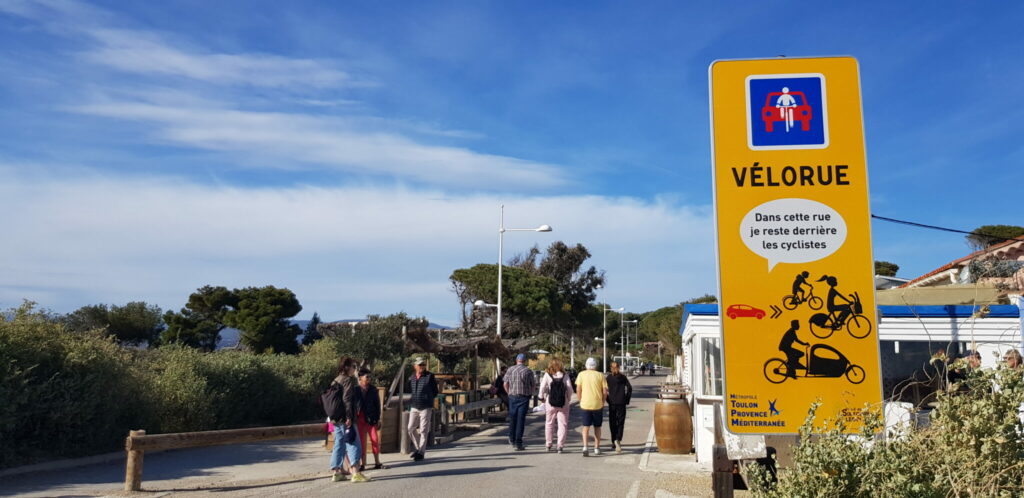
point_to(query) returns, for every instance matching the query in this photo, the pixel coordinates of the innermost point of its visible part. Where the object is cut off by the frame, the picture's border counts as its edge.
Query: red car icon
(742, 310)
(771, 114)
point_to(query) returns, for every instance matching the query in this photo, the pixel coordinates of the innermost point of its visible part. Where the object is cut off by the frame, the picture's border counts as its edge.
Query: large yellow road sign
(794, 243)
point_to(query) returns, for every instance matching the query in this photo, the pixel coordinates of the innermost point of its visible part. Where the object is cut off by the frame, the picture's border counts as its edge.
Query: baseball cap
(420, 361)
(520, 357)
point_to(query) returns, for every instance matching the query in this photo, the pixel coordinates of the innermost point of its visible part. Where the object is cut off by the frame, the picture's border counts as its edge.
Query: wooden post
(721, 475)
(133, 469)
(403, 416)
(721, 466)
(475, 382)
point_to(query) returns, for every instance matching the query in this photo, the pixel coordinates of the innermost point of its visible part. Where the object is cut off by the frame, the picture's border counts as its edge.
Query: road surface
(478, 465)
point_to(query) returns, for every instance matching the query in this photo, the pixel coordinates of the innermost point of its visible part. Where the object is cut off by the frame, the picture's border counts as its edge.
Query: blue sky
(357, 152)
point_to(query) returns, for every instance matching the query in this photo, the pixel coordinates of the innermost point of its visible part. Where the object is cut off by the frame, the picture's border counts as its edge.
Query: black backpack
(556, 395)
(332, 402)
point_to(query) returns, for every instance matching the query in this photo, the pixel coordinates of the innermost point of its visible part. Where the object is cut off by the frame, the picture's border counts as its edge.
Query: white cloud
(193, 97)
(345, 251)
(290, 141)
(146, 53)
(154, 53)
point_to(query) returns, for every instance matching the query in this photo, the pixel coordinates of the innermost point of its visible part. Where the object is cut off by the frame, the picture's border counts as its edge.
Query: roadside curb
(645, 458)
(62, 464)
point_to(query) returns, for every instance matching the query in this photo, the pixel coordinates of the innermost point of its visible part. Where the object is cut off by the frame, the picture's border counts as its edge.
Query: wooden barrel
(673, 426)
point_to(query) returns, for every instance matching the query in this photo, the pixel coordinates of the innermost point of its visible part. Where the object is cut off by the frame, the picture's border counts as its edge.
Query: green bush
(67, 394)
(63, 394)
(973, 446)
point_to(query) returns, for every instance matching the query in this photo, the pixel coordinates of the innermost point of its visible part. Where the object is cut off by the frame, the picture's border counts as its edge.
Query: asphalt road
(478, 465)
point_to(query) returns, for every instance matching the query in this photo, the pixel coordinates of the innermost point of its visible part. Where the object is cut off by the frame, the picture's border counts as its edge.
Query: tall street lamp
(626, 334)
(604, 325)
(501, 264)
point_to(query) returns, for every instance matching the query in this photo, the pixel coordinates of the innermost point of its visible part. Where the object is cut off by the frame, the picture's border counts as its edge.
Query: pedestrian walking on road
(368, 418)
(520, 384)
(422, 391)
(620, 391)
(341, 401)
(556, 392)
(591, 389)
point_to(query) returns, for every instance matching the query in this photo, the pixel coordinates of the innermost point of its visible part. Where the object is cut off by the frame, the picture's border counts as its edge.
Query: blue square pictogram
(786, 111)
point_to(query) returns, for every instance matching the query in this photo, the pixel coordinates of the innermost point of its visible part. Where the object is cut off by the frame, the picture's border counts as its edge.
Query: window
(711, 366)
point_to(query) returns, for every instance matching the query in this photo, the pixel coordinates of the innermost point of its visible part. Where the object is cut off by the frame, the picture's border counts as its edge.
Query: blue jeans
(517, 408)
(343, 448)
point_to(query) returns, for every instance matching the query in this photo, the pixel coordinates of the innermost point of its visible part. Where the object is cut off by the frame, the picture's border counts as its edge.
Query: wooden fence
(452, 407)
(138, 443)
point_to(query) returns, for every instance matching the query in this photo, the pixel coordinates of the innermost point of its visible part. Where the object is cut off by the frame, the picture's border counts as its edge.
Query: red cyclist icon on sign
(786, 109)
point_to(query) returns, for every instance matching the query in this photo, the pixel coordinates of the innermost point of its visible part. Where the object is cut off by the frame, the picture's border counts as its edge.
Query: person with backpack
(556, 392)
(422, 391)
(340, 402)
(620, 391)
(368, 418)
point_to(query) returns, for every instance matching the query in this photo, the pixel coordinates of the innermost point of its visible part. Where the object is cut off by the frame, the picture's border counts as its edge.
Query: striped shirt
(521, 381)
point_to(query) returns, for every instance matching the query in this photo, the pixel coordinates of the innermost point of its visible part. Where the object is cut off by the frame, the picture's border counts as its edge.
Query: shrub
(192, 390)
(69, 394)
(973, 446)
(64, 394)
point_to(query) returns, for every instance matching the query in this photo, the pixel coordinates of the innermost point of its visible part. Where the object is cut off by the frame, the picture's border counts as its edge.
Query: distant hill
(229, 337)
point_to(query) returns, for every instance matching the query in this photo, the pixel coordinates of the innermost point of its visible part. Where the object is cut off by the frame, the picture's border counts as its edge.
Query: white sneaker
(618, 448)
(597, 451)
(585, 451)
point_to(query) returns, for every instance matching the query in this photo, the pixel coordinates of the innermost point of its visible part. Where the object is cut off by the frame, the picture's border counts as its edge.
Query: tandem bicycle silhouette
(822, 361)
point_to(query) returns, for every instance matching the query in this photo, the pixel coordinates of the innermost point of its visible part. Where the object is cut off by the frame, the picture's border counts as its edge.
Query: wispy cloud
(293, 141)
(299, 119)
(86, 238)
(146, 53)
(149, 52)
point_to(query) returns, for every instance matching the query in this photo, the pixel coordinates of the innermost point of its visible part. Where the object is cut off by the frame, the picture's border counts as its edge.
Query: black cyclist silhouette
(843, 311)
(786, 346)
(799, 296)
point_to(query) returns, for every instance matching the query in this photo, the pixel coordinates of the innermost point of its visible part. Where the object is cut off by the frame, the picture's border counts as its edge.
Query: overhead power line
(944, 229)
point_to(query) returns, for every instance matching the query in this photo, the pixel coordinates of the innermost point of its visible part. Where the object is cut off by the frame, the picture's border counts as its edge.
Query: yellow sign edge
(714, 203)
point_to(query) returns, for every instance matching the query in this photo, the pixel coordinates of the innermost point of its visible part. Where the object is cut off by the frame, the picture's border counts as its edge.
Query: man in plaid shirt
(520, 384)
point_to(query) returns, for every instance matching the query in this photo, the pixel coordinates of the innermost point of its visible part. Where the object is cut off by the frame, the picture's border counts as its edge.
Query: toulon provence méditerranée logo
(786, 111)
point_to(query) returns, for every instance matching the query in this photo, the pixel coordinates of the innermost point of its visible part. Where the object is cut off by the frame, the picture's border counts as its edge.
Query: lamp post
(622, 334)
(501, 264)
(626, 347)
(482, 303)
(604, 325)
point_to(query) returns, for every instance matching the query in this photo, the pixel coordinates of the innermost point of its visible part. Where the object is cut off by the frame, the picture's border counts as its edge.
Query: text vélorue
(789, 176)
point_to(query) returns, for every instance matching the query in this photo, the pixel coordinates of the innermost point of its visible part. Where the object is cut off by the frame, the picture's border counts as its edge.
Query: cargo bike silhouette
(822, 361)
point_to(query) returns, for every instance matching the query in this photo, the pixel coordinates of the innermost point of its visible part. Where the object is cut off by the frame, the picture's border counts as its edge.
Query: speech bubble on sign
(793, 231)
